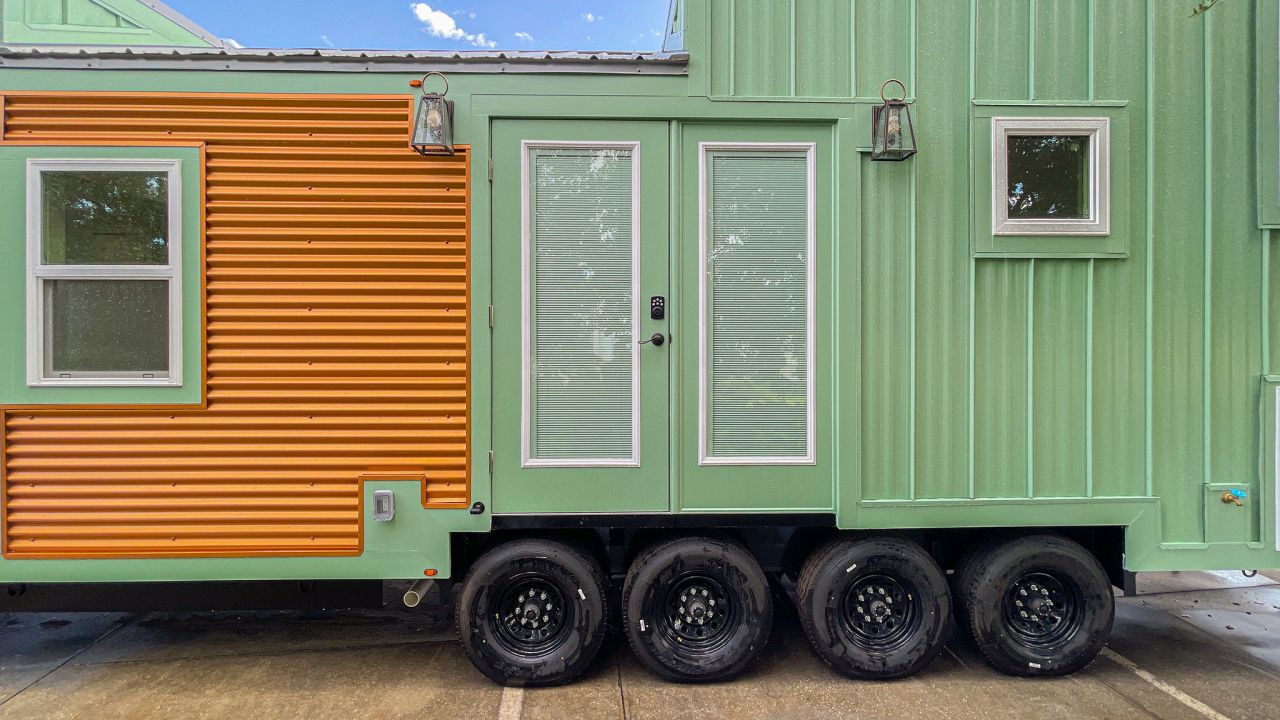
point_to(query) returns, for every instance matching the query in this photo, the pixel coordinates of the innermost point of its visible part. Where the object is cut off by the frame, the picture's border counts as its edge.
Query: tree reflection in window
(106, 218)
(1048, 176)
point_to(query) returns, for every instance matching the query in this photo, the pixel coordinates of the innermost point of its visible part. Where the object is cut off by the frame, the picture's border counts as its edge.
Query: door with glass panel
(755, 262)
(581, 340)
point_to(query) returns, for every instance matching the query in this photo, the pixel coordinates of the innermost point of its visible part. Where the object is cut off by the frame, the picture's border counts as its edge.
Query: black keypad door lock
(657, 307)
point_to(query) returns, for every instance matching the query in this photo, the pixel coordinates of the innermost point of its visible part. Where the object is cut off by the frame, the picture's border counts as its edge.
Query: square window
(104, 302)
(1051, 176)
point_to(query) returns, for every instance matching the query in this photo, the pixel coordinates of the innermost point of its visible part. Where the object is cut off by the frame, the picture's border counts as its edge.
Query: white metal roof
(329, 59)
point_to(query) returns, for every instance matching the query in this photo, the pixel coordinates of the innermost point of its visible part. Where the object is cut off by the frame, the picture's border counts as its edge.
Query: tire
(1037, 606)
(963, 577)
(697, 609)
(519, 647)
(874, 608)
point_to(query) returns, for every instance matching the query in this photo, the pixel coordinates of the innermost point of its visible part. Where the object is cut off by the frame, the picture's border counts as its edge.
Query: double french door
(602, 250)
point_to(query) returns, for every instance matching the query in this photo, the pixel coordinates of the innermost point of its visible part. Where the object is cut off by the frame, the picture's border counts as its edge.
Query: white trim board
(526, 320)
(37, 272)
(810, 151)
(1098, 130)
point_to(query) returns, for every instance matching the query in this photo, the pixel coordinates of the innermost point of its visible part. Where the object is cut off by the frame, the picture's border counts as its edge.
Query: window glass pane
(1048, 176)
(757, 295)
(582, 351)
(106, 326)
(105, 218)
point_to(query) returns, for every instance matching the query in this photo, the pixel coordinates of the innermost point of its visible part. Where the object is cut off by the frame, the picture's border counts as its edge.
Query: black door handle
(657, 339)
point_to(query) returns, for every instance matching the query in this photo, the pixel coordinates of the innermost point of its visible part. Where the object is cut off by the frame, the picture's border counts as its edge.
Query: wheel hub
(878, 611)
(1041, 608)
(530, 615)
(698, 611)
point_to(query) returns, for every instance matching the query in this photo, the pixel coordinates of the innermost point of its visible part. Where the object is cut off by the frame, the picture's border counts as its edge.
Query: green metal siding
(14, 389)
(91, 22)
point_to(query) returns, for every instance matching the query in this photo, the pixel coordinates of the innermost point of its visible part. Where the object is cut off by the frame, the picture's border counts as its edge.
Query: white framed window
(580, 264)
(104, 301)
(757, 239)
(1051, 176)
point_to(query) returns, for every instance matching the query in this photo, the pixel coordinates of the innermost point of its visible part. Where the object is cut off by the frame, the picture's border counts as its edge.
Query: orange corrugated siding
(336, 322)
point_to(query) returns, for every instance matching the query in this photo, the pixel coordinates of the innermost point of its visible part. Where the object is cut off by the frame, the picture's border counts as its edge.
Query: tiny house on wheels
(932, 308)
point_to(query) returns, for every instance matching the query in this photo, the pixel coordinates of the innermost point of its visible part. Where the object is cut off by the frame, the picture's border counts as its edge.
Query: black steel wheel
(1037, 606)
(532, 613)
(874, 608)
(528, 611)
(697, 609)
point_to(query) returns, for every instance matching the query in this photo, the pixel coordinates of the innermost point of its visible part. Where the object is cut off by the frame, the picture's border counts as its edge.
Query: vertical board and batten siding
(1068, 377)
(336, 326)
(1089, 377)
(787, 49)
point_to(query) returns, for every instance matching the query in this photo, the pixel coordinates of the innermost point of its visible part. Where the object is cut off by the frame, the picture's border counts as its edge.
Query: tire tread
(538, 545)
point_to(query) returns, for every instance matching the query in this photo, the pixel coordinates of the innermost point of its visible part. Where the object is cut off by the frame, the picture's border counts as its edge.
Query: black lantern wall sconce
(433, 128)
(892, 135)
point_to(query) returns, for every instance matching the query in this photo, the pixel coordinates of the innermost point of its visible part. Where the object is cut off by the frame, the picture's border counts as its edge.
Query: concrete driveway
(1194, 645)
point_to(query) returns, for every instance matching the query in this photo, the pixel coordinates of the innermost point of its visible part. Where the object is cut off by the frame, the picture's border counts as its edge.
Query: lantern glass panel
(893, 137)
(432, 130)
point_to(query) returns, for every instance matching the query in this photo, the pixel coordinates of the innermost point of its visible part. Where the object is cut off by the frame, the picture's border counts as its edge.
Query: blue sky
(435, 24)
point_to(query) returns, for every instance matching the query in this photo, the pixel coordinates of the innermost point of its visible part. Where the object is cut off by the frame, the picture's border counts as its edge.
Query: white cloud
(524, 36)
(232, 43)
(327, 41)
(592, 17)
(438, 23)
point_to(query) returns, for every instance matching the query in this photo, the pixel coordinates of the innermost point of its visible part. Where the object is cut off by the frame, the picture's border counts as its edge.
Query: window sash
(706, 454)
(533, 454)
(39, 346)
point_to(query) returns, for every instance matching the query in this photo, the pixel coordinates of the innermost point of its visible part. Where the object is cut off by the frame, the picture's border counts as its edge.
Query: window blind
(756, 305)
(582, 354)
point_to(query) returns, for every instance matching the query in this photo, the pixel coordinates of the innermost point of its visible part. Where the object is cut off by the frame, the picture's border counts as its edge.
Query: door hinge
(490, 169)
(490, 463)
(491, 317)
